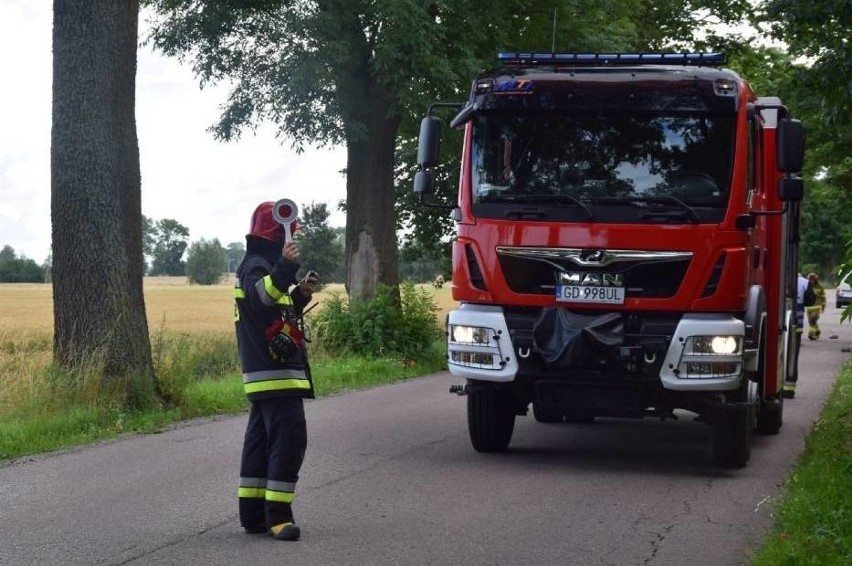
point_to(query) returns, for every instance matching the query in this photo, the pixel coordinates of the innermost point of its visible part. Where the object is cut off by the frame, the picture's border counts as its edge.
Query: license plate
(590, 294)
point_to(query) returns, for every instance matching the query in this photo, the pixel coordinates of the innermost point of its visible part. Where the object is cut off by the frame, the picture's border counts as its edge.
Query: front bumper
(504, 352)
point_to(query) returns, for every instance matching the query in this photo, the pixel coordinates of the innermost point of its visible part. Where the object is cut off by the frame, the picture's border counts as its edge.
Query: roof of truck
(612, 67)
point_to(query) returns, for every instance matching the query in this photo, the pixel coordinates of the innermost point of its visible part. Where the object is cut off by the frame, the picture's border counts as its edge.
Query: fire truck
(626, 244)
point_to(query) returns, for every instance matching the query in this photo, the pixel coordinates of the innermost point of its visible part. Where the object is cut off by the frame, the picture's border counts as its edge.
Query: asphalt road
(390, 478)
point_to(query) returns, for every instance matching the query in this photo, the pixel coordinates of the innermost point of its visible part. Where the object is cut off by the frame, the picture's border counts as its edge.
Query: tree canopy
(15, 269)
(320, 248)
(817, 86)
(166, 241)
(205, 262)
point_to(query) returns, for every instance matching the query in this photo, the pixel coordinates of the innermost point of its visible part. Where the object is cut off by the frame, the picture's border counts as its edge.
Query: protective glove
(308, 285)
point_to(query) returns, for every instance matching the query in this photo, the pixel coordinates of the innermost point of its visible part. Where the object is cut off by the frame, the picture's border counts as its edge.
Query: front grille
(651, 277)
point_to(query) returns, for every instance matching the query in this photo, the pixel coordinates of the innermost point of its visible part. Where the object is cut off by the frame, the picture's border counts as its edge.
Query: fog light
(710, 370)
(473, 359)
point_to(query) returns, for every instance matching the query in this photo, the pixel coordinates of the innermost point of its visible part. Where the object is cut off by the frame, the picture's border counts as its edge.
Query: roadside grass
(814, 516)
(42, 424)
(195, 359)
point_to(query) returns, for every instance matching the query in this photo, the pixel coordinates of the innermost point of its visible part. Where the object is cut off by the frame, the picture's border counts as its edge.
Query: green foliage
(69, 427)
(14, 269)
(817, 34)
(234, 254)
(676, 25)
(170, 241)
(378, 327)
(205, 262)
(320, 247)
(421, 264)
(814, 520)
(183, 360)
(819, 30)
(7, 253)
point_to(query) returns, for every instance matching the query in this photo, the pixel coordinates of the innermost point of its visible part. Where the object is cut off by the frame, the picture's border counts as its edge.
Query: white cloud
(208, 186)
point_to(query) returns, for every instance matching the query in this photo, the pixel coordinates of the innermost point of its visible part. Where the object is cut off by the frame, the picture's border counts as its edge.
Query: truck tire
(770, 421)
(731, 441)
(490, 417)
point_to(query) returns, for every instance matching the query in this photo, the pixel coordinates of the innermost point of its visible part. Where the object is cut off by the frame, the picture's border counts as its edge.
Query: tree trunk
(371, 246)
(99, 308)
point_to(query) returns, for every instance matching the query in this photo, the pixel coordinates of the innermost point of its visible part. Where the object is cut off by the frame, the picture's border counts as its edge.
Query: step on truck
(626, 244)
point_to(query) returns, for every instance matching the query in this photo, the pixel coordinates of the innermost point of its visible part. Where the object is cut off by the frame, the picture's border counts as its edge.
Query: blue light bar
(612, 58)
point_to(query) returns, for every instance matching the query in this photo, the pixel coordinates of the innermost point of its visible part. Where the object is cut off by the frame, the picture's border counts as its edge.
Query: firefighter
(813, 311)
(276, 375)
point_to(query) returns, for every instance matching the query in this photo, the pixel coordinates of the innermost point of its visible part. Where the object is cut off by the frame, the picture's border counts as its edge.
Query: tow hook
(459, 389)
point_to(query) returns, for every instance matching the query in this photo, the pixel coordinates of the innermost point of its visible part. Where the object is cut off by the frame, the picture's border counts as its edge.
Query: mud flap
(731, 441)
(568, 340)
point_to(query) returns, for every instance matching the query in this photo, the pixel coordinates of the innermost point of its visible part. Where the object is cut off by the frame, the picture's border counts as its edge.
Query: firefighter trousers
(273, 451)
(812, 314)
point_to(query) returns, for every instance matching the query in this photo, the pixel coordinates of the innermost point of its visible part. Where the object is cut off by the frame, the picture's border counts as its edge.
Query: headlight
(719, 345)
(723, 344)
(471, 335)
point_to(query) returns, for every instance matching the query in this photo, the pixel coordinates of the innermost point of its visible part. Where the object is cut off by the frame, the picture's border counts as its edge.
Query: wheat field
(174, 307)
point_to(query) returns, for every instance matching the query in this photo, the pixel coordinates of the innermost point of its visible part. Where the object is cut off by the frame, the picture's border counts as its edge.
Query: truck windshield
(604, 167)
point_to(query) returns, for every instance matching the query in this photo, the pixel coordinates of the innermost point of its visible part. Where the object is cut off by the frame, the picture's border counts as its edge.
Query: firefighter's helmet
(264, 225)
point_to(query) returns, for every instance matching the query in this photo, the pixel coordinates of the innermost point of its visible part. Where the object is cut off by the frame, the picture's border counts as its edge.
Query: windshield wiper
(544, 198)
(682, 205)
(690, 212)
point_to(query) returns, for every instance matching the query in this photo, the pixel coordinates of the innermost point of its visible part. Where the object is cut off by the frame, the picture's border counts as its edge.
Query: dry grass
(174, 308)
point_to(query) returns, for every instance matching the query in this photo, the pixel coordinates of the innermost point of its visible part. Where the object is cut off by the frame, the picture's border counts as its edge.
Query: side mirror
(790, 146)
(791, 189)
(429, 143)
(424, 183)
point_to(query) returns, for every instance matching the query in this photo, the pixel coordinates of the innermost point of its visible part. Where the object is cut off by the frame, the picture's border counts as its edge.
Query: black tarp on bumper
(568, 340)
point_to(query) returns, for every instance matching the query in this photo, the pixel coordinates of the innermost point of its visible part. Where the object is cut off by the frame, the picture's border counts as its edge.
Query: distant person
(812, 312)
(789, 388)
(276, 375)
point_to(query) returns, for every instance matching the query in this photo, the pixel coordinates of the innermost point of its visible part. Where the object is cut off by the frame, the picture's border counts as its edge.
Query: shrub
(204, 262)
(378, 326)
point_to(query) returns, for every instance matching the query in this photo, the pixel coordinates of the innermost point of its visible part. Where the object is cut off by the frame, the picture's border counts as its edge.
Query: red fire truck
(626, 246)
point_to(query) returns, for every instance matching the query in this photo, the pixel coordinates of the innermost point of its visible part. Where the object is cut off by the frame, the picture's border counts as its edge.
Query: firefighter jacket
(273, 355)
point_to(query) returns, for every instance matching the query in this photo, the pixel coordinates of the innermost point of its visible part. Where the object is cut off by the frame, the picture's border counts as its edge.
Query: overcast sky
(208, 186)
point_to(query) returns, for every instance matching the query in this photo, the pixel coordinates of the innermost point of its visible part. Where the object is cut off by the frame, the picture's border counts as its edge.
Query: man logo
(593, 256)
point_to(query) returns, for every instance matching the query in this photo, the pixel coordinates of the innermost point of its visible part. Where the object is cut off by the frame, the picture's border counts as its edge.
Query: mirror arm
(421, 198)
(455, 105)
